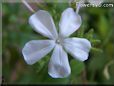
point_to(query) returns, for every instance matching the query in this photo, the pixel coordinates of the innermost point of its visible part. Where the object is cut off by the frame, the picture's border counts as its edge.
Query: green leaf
(95, 41)
(76, 67)
(80, 32)
(89, 34)
(93, 49)
(103, 27)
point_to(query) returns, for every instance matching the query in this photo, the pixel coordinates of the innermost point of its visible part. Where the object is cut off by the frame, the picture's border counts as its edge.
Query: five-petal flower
(43, 23)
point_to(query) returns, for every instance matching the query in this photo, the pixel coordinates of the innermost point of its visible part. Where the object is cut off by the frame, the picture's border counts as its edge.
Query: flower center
(60, 40)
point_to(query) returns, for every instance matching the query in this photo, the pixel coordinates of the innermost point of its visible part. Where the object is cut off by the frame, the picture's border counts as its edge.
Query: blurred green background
(98, 27)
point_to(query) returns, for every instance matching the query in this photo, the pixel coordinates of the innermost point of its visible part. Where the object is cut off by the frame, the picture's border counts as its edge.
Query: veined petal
(59, 64)
(77, 47)
(69, 23)
(36, 49)
(43, 23)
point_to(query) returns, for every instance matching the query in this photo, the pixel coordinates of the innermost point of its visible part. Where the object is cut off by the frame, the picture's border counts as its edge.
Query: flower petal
(77, 47)
(69, 23)
(36, 49)
(59, 65)
(43, 23)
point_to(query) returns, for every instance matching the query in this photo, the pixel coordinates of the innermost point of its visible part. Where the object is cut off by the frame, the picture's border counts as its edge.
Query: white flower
(43, 23)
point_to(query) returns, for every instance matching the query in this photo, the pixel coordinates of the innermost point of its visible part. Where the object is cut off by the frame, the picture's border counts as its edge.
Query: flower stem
(78, 5)
(28, 6)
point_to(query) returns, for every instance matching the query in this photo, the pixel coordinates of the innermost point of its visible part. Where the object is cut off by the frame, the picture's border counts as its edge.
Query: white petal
(78, 47)
(36, 49)
(59, 65)
(43, 23)
(69, 23)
